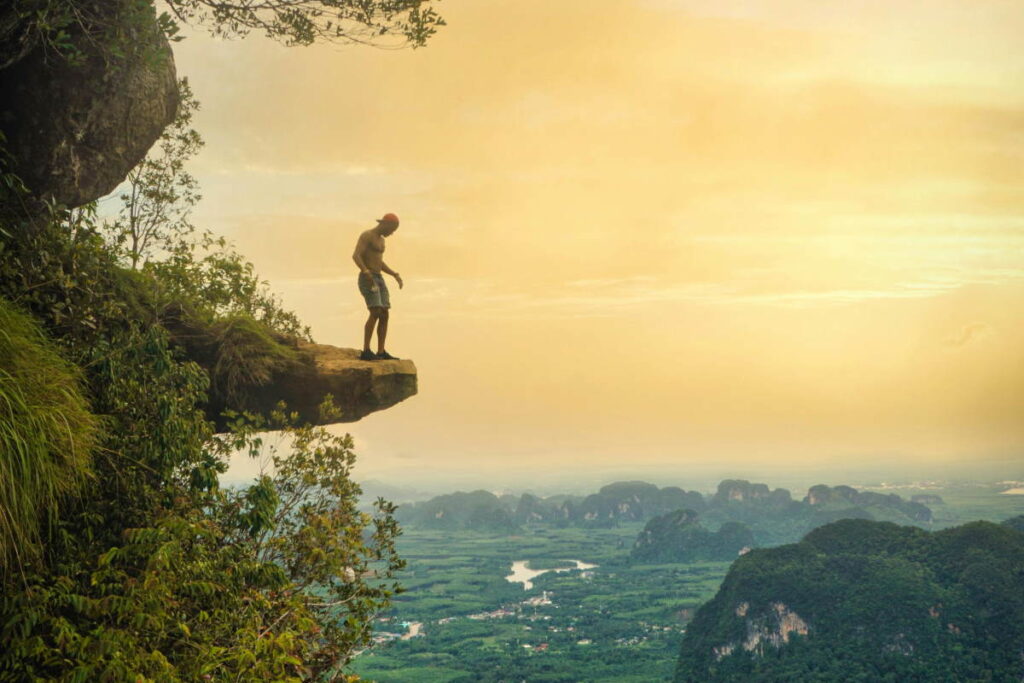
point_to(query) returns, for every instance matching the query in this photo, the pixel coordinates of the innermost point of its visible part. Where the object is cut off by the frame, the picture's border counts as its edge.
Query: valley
(621, 620)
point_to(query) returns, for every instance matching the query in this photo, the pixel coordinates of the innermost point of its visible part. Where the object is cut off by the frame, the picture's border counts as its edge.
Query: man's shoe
(384, 355)
(367, 355)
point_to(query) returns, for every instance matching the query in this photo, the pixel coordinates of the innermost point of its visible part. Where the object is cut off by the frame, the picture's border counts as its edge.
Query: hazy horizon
(565, 480)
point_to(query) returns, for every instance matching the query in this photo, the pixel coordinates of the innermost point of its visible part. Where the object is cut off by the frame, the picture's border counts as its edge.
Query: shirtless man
(369, 256)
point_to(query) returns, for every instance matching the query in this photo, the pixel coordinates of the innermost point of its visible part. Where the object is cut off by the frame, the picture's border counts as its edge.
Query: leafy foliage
(68, 28)
(153, 571)
(64, 27)
(205, 280)
(191, 272)
(160, 193)
(246, 356)
(878, 602)
(302, 22)
(277, 581)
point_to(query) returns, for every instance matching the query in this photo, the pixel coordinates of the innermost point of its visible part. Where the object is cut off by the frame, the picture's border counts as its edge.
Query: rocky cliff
(771, 515)
(627, 501)
(473, 510)
(742, 491)
(77, 119)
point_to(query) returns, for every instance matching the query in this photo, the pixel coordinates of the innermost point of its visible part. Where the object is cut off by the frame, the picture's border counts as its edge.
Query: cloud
(968, 334)
(702, 229)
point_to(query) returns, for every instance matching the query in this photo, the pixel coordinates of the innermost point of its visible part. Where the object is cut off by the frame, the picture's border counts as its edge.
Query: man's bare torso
(373, 252)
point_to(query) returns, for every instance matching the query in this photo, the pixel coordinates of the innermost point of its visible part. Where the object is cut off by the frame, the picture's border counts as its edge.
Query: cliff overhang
(357, 387)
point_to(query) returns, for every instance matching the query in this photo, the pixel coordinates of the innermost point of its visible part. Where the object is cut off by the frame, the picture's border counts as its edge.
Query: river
(521, 572)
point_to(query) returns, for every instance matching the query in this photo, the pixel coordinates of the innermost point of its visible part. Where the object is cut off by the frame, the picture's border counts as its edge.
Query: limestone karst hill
(770, 514)
(859, 600)
(679, 537)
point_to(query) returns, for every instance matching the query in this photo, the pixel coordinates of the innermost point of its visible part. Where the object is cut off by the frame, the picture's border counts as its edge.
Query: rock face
(624, 501)
(358, 387)
(75, 130)
(770, 629)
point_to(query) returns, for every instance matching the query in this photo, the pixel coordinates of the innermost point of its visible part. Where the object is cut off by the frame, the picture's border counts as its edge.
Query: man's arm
(357, 256)
(398, 278)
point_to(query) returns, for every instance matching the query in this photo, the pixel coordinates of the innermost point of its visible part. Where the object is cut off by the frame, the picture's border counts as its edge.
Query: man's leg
(371, 322)
(382, 328)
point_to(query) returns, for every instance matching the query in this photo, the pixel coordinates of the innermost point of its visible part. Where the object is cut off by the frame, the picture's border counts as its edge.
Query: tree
(153, 234)
(301, 516)
(383, 23)
(59, 25)
(160, 192)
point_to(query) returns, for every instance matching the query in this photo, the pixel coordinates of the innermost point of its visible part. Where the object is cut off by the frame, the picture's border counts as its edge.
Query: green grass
(247, 355)
(47, 434)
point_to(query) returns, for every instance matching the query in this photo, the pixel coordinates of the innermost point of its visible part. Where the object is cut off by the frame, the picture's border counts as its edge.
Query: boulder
(75, 127)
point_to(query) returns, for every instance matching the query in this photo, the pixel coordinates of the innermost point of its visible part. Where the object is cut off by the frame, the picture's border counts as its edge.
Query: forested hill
(858, 600)
(772, 515)
(680, 537)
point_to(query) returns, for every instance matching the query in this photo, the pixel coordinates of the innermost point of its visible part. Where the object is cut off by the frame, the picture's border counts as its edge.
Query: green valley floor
(614, 622)
(460, 619)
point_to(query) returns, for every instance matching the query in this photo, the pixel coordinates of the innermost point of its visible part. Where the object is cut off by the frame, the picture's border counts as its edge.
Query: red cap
(388, 218)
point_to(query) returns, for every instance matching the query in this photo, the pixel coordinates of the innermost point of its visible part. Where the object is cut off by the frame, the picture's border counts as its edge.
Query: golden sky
(672, 238)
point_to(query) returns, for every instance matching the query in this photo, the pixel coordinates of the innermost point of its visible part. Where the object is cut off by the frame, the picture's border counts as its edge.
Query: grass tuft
(247, 355)
(47, 435)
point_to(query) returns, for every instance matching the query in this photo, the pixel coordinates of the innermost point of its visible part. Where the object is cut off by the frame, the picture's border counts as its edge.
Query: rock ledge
(359, 387)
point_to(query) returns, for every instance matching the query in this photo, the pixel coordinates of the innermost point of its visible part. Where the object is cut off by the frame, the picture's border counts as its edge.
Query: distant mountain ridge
(631, 501)
(771, 515)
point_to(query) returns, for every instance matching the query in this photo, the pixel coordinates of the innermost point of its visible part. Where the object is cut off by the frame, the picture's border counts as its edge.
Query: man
(369, 256)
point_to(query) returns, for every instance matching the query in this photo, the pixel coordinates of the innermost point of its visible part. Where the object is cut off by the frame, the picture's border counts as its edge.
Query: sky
(667, 239)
